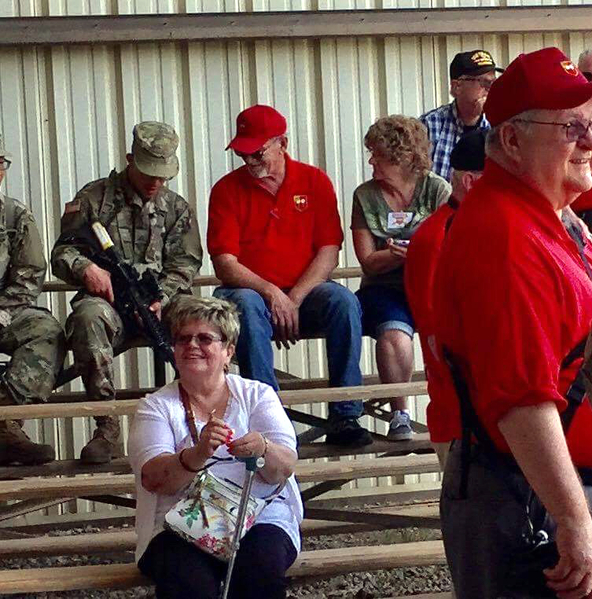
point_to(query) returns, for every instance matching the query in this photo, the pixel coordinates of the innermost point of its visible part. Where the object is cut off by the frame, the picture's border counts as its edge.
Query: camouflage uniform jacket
(22, 263)
(160, 234)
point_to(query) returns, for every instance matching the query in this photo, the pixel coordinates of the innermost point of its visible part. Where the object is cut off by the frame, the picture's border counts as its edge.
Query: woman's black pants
(182, 571)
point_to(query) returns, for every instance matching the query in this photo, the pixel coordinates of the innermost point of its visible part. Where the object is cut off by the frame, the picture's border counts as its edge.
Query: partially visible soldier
(31, 335)
(153, 228)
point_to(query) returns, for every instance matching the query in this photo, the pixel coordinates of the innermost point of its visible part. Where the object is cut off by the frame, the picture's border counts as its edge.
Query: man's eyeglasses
(482, 81)
(4, 164)
(574, 130)
(257, 156)
(201, 339)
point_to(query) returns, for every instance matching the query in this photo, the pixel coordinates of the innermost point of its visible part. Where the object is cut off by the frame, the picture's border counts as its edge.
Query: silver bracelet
(266, 445)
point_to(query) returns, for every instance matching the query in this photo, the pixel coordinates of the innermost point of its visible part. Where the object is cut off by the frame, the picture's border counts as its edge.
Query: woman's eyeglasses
(201, 339)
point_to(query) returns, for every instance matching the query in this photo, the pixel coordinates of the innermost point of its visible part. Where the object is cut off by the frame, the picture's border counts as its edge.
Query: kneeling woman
(164, 460)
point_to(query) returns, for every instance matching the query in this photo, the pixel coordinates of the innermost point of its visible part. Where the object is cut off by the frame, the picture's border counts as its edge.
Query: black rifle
(133, 293)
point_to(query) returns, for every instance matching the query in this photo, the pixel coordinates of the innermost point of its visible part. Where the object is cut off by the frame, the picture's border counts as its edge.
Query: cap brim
(247, 145)
(488, 69)
(158, 169)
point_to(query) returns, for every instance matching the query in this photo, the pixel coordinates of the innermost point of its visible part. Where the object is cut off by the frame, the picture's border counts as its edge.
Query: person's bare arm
(373, 262)
(318, 271)
(537, 442)
(233, 274)
(284, 312)
(165, 475)
(279, 460)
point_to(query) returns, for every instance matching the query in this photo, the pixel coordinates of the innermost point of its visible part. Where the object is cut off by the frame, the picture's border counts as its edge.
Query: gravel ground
(361, 585)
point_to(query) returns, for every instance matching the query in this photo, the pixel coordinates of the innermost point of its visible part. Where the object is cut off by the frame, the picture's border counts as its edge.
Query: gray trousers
(482, 532)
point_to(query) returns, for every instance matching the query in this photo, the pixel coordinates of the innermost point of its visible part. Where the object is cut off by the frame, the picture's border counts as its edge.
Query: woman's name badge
(398, 220)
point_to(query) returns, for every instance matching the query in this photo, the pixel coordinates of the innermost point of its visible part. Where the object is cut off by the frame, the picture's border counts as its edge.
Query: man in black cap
(471, 76)
(467, 160)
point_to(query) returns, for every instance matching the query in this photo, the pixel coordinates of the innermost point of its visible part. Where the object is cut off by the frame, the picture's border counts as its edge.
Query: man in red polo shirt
(467, 160)
(512, 299)
(274, 235)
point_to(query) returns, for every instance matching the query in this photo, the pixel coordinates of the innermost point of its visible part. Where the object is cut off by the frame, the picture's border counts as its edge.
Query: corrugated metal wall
(67, 115)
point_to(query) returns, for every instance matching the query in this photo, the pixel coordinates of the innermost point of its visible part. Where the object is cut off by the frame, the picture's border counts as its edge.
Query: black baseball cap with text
(473, 63)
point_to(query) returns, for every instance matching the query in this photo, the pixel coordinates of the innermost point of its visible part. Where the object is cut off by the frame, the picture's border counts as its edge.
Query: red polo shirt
(584, 202)
(278, 236)
(511, 300)
(420, 267)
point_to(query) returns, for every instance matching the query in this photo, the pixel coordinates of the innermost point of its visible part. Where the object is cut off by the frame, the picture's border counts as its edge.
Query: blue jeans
(329, 309)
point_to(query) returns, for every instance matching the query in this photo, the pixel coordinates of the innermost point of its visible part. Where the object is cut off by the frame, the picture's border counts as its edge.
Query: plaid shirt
(444, 130)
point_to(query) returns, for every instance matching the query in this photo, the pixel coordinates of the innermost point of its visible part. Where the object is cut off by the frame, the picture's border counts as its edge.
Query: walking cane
(251, 467)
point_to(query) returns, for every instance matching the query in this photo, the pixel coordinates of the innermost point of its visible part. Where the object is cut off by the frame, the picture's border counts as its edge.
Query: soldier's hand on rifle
(156, 307)
(98, 282)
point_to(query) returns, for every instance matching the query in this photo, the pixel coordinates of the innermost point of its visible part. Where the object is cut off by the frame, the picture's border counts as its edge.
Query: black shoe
(347, 432)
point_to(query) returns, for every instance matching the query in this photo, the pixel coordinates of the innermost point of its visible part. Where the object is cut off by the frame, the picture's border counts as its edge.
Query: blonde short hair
(401, 140)
(216, 312)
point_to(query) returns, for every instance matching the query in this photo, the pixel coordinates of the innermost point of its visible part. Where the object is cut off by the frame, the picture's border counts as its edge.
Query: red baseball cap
(545, 79)
(256, 125)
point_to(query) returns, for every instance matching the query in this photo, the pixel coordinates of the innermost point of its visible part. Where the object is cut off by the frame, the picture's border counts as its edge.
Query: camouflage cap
(154, 148)
(3, 151)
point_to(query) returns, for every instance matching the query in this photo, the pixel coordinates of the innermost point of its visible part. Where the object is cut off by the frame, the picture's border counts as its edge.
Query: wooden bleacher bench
(126, 407)
(100, 484)
(348, 272)
(318, 563)
(125, 540)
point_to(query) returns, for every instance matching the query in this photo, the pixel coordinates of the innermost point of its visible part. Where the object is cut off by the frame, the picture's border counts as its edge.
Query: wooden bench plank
(127, 407)
(393, 466)
(125, 540)
(83, 544)
(347, 272)
(323, 562)
(419, 444)
(81, 486)
(76, 578)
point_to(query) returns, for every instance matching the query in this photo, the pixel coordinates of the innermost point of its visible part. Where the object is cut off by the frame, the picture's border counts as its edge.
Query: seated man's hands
(97, 281)
(284, 316)
(571, 578)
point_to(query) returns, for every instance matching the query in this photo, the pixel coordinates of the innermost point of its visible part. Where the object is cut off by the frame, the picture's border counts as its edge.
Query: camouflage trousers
(95, 331)
(35, 341)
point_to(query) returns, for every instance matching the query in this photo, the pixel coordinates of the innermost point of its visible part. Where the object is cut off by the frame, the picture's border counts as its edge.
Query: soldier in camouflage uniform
(30, 335)
(152, 228)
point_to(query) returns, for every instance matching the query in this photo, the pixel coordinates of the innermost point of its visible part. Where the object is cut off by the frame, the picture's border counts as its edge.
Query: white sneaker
(400, 427)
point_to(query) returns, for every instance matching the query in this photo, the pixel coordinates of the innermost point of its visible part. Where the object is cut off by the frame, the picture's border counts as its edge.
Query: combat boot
(102, 446)
(16, 447)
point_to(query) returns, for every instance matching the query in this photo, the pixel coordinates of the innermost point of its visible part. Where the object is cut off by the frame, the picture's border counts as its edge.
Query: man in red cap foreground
(274, 235)
(513, 303)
